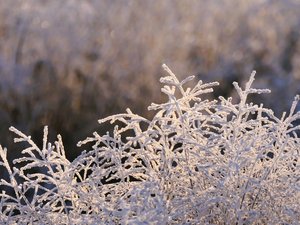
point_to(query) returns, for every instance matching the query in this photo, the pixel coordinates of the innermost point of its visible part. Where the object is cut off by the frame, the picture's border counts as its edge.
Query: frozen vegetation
(197, 161)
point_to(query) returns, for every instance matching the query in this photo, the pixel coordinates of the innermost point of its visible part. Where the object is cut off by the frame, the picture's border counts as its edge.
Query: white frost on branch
(196, 162)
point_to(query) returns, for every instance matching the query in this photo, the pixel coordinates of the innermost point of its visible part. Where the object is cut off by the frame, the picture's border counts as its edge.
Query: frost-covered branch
(197, 161)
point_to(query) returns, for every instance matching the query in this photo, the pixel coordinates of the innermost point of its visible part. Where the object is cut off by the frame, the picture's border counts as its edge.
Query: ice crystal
(198, 161)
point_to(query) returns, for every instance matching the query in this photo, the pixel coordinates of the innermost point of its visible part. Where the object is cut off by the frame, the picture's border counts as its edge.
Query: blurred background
(68, 63)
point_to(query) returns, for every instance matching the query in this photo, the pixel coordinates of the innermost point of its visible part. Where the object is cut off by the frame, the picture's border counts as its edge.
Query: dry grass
(67, 64)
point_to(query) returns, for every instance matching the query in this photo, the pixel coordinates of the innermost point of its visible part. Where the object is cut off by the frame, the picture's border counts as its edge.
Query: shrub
(197, 161)
(113, 49)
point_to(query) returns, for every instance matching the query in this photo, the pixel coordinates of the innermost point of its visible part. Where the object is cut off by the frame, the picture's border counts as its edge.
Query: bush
(113, 49)
(196, 162)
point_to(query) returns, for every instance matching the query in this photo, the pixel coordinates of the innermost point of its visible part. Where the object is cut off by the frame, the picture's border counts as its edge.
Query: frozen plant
(196, 162)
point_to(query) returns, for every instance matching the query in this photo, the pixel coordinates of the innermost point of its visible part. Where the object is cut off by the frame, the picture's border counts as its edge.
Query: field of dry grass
(65, 64)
